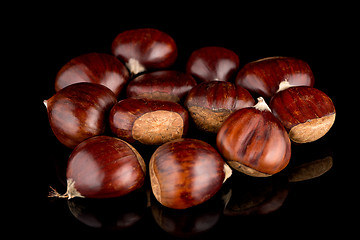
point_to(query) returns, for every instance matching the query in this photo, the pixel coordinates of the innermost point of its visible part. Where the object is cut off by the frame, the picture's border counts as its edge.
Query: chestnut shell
(254, 142)
(79, 111)
(264, 76)
(97, 68)
(185, 173)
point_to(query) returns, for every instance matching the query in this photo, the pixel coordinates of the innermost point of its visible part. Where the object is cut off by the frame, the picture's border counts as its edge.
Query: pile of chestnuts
(136, 97)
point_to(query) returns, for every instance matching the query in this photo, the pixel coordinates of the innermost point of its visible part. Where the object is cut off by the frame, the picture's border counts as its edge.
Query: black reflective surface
(312, 196)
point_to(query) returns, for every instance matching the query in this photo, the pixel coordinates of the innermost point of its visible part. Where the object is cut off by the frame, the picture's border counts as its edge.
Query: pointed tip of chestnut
(45, 103)
(261, 105)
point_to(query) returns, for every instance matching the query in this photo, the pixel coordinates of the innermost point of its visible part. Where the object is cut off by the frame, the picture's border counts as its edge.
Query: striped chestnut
(306, 113)
(144, 49)
(103, 167)
(264, 76)
(253, 141)
(150, 122)
(99, 68)
(79, 111)
(167, 85)
(212, 64)
(210, 103)
(186, 172)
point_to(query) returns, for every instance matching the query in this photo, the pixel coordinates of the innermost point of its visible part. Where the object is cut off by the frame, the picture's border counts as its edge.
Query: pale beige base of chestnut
(208, 120)
(247, 170)
(311, 130)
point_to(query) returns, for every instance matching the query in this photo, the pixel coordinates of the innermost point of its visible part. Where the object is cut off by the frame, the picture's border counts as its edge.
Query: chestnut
(186, 172)
(263, 76)
(168, 85)
(150, 122)
(97, 68)
(307, 113)
(212, 64)
(103, 167)
(144, 49)
(79, 111)
(210, 103)
(253, 141)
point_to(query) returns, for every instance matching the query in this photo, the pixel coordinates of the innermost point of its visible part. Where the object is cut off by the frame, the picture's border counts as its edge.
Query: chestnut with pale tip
(150, 122)
(144, 49)
(79, 111)
(186, 172)
(103, 167)
(253, 141)
(307, 113)
(210, 103)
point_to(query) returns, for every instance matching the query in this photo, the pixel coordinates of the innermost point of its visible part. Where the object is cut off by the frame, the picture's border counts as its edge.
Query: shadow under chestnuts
(168, 109)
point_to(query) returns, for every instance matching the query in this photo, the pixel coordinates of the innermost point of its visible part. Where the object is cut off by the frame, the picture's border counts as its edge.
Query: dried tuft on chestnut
(254, 142)
(78, 112)
(210, 103)
(212, 64)
(151, 122)
(306, 113)
(103, 167)
(167, 85)
(145, 49)
(97, 68)
(264, 75)
(186, 173)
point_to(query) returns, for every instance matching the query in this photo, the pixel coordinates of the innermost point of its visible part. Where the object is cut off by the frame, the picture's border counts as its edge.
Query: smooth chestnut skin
(263, 76)
(212, 64)
(145, 49)
(306, 113)
(99, 68)
(150, 122)
(185, 173)
(210, 103)
(104, 167)
(79, 111)
(167, 85)
(254, 142)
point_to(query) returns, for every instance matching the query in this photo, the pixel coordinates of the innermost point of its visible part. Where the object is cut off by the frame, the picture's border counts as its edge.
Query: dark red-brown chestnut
(306, 113)
(151, 122)
(79, 111)
(210, 103)
(186, 172)
(254, 142)
(103, 167)
(263, 76)
(145, 49)
(167, 85)
(97, 68)
(212, 64)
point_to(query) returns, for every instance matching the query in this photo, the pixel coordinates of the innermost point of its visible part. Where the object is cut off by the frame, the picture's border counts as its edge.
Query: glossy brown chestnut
(103, 167)
(97, 68)
(151, 122)
(79, 111)
(167, 85)
(210, 103)
(186, 173)
(212, 64)
(264, 76)
(145, 49)
(306, 113)
(254, 142)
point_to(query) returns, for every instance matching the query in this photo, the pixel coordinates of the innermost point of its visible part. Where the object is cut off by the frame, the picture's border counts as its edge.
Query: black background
(47, 39)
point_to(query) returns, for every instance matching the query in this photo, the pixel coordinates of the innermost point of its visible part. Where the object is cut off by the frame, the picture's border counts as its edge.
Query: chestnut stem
(227, 171)
(71, 191)
(135, 66)
(261, 105)
(45, 103)
(284, 85)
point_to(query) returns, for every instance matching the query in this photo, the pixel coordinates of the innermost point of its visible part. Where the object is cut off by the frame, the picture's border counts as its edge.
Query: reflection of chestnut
(112, 213)
(186, 172)
(148, 121)
(168, 85)
(78, 112)
(210, 103)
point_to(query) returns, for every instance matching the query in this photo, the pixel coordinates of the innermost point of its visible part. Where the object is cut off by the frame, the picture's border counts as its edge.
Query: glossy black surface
(320, 207)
